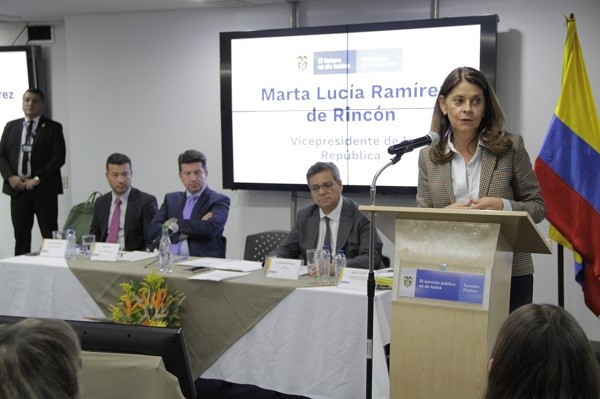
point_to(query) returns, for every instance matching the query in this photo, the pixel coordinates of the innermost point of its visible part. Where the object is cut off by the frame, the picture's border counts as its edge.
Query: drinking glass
(323, 267)
(87, 241)
(58, 235)
(311, 261)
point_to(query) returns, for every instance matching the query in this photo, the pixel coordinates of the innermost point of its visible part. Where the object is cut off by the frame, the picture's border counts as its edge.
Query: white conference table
(313, 343)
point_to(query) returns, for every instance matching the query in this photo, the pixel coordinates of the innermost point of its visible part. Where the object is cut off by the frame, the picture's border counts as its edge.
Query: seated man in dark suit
(123, 215)
(199, 212)
(349, 228)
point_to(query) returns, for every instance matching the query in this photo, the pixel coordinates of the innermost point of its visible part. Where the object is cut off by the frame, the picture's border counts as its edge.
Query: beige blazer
(509, 176)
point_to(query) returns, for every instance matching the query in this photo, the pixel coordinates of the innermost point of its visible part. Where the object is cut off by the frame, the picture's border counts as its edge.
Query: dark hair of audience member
(542, 352)
(39, 359)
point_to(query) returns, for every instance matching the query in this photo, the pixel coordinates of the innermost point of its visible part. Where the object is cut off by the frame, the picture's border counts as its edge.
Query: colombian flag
(568, 168)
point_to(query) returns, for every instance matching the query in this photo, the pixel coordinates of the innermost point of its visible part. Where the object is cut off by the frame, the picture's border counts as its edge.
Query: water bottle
(164, 251)
(339, 261)
(324, 266)
(71, 243)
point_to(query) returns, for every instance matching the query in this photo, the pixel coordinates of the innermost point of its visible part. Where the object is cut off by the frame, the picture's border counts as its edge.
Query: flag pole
(561, 276)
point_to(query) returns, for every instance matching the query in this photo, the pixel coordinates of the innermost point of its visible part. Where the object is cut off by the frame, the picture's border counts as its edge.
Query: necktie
(189, 205)
(26, 153)
(327, 240)
(113, 228)
(176, 248)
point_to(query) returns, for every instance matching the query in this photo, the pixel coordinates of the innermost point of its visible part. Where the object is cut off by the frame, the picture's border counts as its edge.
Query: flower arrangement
(150, 303)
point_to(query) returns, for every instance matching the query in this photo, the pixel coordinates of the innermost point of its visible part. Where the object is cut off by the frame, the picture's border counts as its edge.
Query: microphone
(173, 228)
(408, 145)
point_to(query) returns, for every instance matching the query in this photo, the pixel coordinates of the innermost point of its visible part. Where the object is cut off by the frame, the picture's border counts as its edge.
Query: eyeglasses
(325, 186)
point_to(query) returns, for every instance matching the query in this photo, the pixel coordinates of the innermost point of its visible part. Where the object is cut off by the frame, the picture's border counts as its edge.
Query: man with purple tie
(123, 215)
(199, 212)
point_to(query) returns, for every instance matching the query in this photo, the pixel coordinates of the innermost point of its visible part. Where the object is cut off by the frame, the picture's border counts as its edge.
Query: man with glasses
(332, 220)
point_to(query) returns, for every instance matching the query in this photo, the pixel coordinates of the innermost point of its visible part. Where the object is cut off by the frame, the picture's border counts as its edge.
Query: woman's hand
(489, 203)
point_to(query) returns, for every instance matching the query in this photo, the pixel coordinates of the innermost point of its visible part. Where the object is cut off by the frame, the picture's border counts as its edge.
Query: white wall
(147, 84)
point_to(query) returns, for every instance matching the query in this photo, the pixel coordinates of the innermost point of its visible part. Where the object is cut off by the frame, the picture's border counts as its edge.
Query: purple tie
(113, 228)
(187, 213)
(189, 205)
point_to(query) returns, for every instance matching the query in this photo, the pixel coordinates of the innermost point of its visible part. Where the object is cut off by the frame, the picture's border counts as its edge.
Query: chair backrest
(260, 244)
(386, 261)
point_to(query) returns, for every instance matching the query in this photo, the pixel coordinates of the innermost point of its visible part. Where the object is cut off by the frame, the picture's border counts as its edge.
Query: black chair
(260, 244)
(386, 261)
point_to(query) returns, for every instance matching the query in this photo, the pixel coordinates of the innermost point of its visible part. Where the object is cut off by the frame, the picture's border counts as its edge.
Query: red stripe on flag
(578, 222)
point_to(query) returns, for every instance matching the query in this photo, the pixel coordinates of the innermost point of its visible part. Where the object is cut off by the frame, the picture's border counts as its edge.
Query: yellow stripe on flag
(576, 107)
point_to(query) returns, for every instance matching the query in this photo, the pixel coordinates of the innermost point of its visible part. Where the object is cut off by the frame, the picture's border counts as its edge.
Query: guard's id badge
(26, 148)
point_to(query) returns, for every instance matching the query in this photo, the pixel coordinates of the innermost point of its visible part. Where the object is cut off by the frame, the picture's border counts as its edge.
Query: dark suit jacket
(509, 176)
(205, 236)
(141, 208)
(47, 155)
(353, 236)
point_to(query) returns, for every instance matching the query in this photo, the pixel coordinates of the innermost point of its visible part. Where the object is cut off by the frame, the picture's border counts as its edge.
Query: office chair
(260, 244)
(386, 261)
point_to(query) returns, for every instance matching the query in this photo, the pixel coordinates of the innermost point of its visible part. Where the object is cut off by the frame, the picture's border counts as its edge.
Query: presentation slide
(339, 97)
(14, 81)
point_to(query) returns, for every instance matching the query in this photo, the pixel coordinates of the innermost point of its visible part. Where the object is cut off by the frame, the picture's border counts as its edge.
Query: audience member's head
(542, 352)
(39, 359)
(325, 185)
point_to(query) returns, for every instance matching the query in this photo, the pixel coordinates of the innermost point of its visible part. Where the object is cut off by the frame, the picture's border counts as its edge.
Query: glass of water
(311, 260)
(87, 242)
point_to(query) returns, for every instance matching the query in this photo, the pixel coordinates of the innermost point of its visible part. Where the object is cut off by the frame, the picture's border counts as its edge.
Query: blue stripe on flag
(573, 160)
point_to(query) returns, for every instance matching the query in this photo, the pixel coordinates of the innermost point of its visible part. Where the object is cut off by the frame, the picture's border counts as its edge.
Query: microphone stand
(371, 278)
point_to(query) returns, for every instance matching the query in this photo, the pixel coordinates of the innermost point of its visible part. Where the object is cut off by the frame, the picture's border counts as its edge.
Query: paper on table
(136, 255)
(224, 264)
(217, 275)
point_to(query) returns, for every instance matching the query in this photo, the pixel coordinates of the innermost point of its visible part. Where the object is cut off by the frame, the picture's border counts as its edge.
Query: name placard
(288, 269)
(353, 278)
(53, 248)
(442, 285)
(107, 252)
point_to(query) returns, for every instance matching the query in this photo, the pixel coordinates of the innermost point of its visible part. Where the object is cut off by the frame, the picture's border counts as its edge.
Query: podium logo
(408, 280)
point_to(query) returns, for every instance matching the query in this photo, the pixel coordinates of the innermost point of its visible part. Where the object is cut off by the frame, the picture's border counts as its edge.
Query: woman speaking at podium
(478, 165)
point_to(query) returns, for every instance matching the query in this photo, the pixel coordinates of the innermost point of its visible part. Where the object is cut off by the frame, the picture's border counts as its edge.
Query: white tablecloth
(35, 286)
(313, 343)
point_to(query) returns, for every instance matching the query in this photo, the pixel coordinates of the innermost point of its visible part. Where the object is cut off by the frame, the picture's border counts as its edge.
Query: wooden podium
(451, 288)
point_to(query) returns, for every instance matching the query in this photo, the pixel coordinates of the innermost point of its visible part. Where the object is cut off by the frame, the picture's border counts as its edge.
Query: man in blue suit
(199, 212)
(349, 229)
